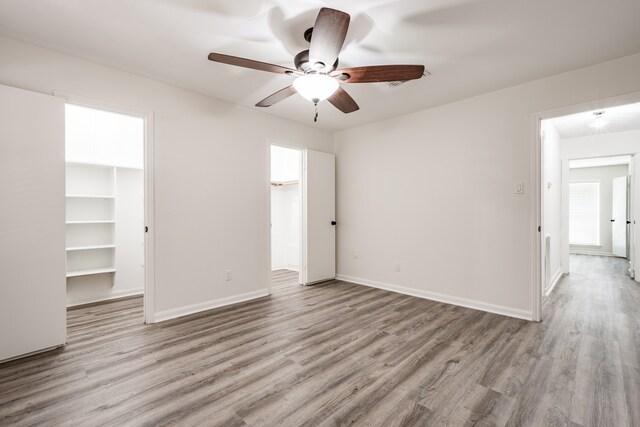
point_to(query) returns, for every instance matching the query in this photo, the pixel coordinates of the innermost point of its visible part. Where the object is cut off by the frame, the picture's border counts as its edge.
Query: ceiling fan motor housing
(301, 61)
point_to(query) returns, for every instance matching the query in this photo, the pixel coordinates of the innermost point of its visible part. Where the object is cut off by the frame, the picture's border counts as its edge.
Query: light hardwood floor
(342, 354)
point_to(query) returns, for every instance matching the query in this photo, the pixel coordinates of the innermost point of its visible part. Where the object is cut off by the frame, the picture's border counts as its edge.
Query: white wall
(285, 227)
(601, 145)
(211, 174)
(285, 164)
(552, 188)
(105, 137)
(434, 190)
(604, 175)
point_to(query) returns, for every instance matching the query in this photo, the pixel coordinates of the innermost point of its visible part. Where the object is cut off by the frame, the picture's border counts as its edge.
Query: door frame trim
(149, 189)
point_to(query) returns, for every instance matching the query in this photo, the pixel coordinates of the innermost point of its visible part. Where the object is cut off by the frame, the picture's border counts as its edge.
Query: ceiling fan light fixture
(600, 121)
(315, 87)
(320, 62)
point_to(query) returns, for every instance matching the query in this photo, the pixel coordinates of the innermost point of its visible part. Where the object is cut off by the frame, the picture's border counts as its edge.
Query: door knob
(333, 223)
(628, 222)
(613, 220)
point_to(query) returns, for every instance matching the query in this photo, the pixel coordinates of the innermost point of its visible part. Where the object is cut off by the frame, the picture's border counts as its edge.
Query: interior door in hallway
(319, 217)
(619, 217)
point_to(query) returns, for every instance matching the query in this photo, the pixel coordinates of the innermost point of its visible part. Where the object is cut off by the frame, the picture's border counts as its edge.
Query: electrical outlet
(228, 275)
(356, 256)
(397, 265)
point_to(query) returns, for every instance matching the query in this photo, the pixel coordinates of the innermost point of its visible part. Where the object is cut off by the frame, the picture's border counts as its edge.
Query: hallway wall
(552, 193)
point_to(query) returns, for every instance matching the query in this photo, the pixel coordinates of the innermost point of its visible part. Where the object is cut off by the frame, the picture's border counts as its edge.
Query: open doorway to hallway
(599, 209)
(589, 190)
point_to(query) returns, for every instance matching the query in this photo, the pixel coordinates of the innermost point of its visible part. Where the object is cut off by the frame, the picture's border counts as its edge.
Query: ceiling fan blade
(379, 73)
(277, 97)
(328, 36)
(250, 63)
(343, 101)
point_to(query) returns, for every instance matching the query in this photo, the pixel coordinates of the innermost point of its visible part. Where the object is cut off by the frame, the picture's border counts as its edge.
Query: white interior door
(631, 246)
(634, 169)
(319, 217)
(32, 222)
(619, 217)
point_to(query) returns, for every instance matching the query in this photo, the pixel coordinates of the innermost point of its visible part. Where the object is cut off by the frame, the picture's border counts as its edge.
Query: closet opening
(105, 204)
(286, 216)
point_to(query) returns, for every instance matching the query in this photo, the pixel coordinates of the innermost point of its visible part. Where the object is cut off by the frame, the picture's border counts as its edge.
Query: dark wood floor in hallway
(343, 354)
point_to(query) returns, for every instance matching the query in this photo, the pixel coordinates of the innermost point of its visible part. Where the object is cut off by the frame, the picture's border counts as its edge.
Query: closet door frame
(149, 247)
(301, 193)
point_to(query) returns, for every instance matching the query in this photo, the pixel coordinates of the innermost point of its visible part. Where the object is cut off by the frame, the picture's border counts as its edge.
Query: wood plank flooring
(343, 354)
(281, 278)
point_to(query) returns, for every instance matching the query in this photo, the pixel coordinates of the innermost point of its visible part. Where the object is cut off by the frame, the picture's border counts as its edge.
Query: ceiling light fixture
(316, 87)
(600, 121)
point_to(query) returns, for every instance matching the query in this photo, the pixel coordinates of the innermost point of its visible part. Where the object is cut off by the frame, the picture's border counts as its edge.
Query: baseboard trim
(114, 296)
(554, 281)
(579, 252)
(434, 296)
(173, 313)
(32, 353)
(286, 267)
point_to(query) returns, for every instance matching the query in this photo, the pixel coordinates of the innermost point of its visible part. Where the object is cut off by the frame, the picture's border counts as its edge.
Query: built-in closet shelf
(103, 165)
(89, 196)
(281, 183)
(78, 273)
(86, 248)
(108, 221)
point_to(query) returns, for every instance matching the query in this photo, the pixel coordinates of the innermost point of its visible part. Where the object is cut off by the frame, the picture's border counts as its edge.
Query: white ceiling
(622, 118)
(469, 46)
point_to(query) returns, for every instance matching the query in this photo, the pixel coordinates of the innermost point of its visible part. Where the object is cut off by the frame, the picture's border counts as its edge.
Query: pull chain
(315, 118)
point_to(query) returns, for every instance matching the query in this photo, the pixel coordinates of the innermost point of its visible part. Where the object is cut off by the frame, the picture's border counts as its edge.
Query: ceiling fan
(317, 74)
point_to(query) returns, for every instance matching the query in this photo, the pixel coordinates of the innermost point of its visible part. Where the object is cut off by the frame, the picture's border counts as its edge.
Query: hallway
(591, 326)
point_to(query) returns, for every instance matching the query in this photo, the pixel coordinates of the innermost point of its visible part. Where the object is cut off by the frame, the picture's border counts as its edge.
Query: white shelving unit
(86, 248)
(90, 272)
(92, 222)
(90, 219)
(88, 196)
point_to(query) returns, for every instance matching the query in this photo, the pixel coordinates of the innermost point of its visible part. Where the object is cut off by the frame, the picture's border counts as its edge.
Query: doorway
(286, 216)
(586, 200)
(107, 161)
(599, 209)
(302, 224)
